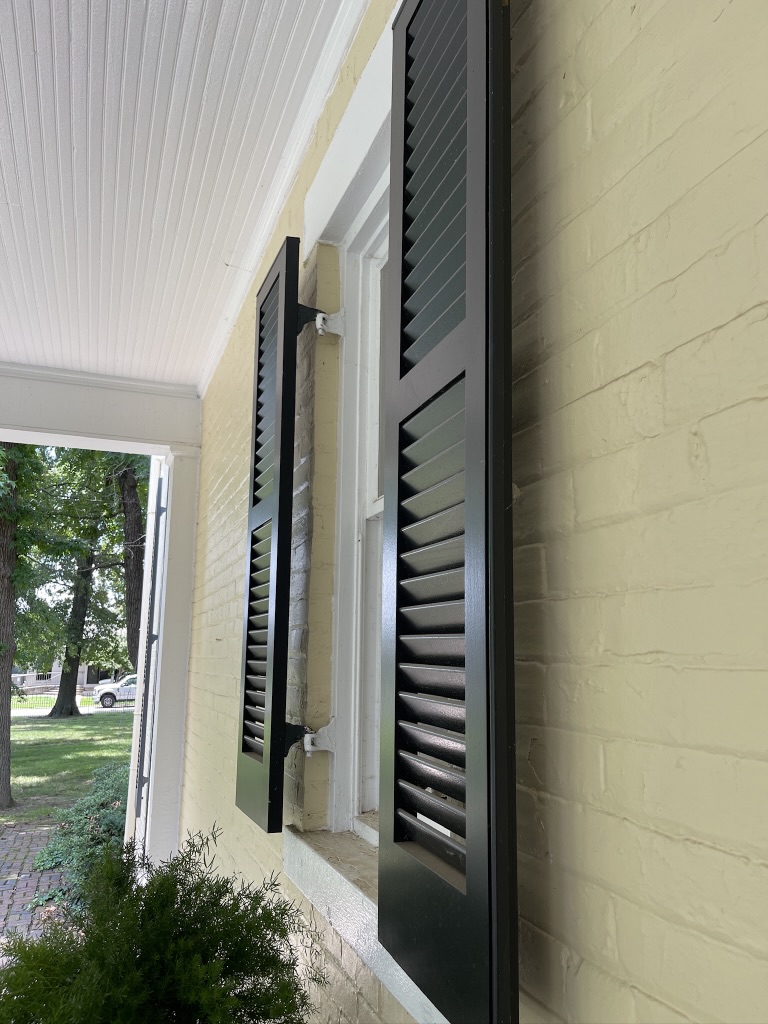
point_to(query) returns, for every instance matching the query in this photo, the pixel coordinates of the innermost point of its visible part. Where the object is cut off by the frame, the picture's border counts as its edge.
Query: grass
(52, 761)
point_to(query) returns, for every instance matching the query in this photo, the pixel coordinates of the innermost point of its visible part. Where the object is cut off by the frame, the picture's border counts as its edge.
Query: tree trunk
(66, 699)
(7, 616)
(133, 558)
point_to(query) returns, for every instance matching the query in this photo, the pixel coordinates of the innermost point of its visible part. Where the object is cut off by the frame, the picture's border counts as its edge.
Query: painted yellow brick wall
(640, 292)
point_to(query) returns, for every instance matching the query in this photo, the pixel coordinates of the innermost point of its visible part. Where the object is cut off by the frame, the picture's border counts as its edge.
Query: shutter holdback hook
(325, 323)
(323, 739)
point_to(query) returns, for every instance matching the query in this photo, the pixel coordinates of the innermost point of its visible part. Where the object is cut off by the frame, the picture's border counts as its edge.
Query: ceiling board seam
(175, 169)
(202, 232)
(252, 105)
(96, 284)
(326, 72)
(273, 93)
(66, 209)
(195, 129)
(118, 164)
(201, 176)
(53, 190)
(130, 192)
(128, 334)
(12, 217)
(45, 270)
(77, 341)
(136, 357)
(162, 163)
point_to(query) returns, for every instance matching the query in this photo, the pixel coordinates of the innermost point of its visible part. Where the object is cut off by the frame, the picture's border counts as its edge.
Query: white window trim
(347, 206)
(362, 259)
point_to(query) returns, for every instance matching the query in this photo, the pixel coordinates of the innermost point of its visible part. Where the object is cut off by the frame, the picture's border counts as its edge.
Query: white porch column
(166, 706)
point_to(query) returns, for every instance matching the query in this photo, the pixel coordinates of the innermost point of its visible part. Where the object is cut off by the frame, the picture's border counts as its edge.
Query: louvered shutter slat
(431, 773)
(444, 647)
(265, 629)
(433, 741)
(438, 498)
(442, 555)
(440, 679)
(447, 712)
(435, 809)
(436, 585)
(448, 614)
(446, 841)
(427, 34)
(447, 849)
(442, 524)
(444, 91)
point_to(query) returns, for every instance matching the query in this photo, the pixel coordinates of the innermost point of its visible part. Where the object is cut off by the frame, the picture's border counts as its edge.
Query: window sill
(338, 873)
(367, 827)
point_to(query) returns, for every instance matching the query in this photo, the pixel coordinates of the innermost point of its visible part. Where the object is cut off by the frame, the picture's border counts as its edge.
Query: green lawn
(52, 762)
(43, 700)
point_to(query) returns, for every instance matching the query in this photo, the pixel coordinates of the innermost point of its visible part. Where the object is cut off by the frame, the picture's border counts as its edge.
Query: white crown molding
(87, 410)
(316, 92)
(96, 380)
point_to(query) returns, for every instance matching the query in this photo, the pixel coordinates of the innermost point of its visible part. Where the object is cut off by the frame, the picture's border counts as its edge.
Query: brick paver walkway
(19, 881)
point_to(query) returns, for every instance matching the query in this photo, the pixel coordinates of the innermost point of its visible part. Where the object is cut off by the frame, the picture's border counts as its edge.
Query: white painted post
(170, 699)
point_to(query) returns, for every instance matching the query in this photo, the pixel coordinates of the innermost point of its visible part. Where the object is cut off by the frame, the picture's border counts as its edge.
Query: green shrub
(94, 823)
(173, 942)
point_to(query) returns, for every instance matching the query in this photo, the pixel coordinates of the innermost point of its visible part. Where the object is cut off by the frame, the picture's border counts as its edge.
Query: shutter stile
(444, 842)
(265, 631)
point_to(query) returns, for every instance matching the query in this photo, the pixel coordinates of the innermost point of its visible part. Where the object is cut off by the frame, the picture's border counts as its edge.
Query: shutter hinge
(293, 733)
(323, 739)
(325, 323)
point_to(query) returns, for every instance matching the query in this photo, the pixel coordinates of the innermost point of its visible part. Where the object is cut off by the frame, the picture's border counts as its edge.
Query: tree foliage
(19, 467)
(74, 512)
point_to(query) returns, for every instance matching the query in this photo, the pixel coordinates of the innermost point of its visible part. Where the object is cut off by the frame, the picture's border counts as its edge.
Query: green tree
(132, 477)
(8, 516)
(72, 607)
(20, 470)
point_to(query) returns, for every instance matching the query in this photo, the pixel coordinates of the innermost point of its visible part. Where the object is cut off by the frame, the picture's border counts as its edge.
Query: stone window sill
(338, 873)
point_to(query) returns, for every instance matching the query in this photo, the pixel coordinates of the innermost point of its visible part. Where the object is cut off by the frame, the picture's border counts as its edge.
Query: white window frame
(363, 254)
(347, 206)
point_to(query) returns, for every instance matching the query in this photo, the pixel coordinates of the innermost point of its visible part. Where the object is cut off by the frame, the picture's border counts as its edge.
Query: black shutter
(262, 738)
(447, 903)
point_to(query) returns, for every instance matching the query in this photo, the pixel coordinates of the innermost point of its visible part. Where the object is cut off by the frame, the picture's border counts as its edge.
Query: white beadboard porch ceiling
(145, 149)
